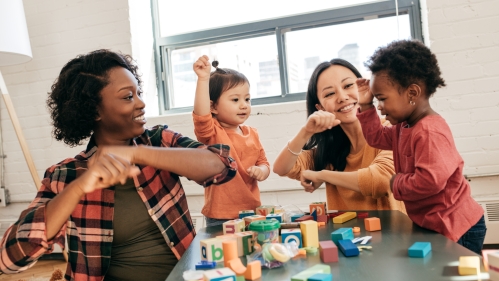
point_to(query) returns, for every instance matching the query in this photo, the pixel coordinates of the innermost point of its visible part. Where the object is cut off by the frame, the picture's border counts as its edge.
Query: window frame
(163, 46)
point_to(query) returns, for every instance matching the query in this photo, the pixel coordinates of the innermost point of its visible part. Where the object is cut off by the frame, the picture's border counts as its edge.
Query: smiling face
(394, 105)
(337, 93)
(121, 112)
(233, 107)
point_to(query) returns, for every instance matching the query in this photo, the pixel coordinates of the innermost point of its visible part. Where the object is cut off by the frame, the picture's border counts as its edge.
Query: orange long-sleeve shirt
(241, 193)
(374, 167)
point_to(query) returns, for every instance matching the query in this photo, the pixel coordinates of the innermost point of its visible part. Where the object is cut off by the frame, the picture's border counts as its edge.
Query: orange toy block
(356, 229)
(320, 207)
(321, 223)
(253, 270)
(372, 224)
(237, 266)
(250, 219)
(230, 251)
(264, 210)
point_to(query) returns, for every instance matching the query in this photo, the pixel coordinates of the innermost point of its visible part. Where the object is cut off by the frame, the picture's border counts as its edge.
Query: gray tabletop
(388, 259)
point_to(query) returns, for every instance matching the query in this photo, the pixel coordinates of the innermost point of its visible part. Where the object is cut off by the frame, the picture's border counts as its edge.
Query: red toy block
(362, 215)
(322, 218)
(328, 251)
(305, 218)
(333, 215)
(372, 224)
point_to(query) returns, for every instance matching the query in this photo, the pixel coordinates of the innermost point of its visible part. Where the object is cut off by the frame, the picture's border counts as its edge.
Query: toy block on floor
(322, 218)
(310, 234)
(320, 207)
(307, 273)
(293, 218)
(253, 270)
(485, 257)
(345, 217)
(292, 234)
(211, 250)
(493, 261)
(237, 266)
(343, 233)
(245, 242)
(419, 249)
(321, 277)
(233, 226)
(334, 214)
(205, 265)
(372, 224)
(250, 219)
(362, 215)
(314, 215)
(219, 274)
(348, 248)
(469, 265)
(304, 218)
(230, 251)
(264, 210)
(275, 216)
(246, 213)
(328, 251)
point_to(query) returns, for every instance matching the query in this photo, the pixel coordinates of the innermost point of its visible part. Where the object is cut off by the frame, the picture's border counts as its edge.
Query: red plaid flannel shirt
(90, 228)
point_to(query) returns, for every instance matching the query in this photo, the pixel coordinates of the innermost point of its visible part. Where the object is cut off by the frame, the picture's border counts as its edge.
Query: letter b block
(211, 250)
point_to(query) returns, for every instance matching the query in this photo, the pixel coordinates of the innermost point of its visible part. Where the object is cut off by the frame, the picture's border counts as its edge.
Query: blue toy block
(314, 215)
(342, 234)
(206, 265)
(246, 213)
(275, 216)
(294, 217)
(291, 234)
(348, 248)
(321, 277)
(419, 249)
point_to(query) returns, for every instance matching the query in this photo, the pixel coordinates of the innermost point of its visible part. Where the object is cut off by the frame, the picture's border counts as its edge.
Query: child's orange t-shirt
(241, 193)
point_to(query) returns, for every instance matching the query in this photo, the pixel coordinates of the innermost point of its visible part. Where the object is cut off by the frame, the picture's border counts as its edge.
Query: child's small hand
(257, 173)
(365, 94)
(320, 121)
(310, 180)
(202, 68)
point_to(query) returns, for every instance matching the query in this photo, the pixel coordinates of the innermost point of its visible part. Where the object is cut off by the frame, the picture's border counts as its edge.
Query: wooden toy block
(343, 233)
(275, 216)
(344, 217)
(293, 218)
(419, 249)
(211, 250)
(469, 265)
(293, 234)
(321, 223)
(287, 225)
(372, 224)
(310, 234)
(219, 274)
(304, 218)
(264, 210)
(233, 226)
(250, 219)
(328, 251)
(493, 264)
(307, 273)
(320, 207)
(314, 215)
(245, 242)
(230, 251)
(485, 257)
(321, 277)
(237, 266)
(246, 213)
(278, 210)
(334, 214)
(322, 218)
(253, 270)
(206, 265)
(356, 229)
(362, 215)
(348, 248)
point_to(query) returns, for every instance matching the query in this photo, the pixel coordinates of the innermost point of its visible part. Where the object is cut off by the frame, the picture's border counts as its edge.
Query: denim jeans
(473, 238)
(214, 222)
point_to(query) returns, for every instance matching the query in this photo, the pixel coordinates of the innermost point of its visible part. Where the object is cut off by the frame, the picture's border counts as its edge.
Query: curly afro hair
(75, 94)
(408, 62)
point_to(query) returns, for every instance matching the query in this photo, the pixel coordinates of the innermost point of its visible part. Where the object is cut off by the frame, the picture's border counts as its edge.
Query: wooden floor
(41, 271)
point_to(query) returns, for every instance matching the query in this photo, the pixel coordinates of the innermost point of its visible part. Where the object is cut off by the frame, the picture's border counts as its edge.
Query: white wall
(463, 34)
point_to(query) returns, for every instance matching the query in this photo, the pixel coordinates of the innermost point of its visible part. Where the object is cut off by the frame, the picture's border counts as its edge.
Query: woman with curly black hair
(120, 201)
(429, 170)
(357, 176)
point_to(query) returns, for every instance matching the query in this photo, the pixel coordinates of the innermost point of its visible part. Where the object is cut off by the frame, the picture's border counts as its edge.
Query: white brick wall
(463, 33)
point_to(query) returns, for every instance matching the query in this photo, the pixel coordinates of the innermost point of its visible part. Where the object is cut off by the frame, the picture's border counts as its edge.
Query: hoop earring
(412, 103)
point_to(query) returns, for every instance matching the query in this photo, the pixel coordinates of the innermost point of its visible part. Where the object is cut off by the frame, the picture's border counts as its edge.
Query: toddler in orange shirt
(222, 104)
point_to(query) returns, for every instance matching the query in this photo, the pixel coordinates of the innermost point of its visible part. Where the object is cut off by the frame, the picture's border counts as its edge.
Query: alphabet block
(233, 226)
(469, 265)
(249, 219)
(372, 224)
(246, 213)
(310, 233)
(292, 234)
(485, 256)
(348, 248)
(275, 216)
(293, 218)
(265, 210)
(493, 264)
(328, 251)
(219, 274)
(344, 217)
(319, 207)
(419, 249)
(211, 250)
(341, 234)
(244, 241)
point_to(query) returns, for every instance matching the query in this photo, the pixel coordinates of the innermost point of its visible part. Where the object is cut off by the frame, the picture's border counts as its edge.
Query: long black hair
(332, 146)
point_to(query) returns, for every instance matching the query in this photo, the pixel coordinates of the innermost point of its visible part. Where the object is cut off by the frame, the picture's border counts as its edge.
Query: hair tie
(215, 65)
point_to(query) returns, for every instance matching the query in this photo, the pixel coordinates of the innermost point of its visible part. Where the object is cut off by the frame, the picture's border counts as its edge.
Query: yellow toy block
(264, 210)
(211, 250)
(345, 217)
(233, 226)
(319, 207)
(310, 234)
(469, 265)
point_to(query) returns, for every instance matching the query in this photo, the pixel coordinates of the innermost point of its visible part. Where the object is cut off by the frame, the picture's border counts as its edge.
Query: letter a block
(310, 233)
(291, 234)
(319, 207)
(233, 226)
(372, 224)
(211, 250)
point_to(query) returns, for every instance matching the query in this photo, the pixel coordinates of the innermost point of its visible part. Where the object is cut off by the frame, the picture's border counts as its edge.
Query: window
(277, 48)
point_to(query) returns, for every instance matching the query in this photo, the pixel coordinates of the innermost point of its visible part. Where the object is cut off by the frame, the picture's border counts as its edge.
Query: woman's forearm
(286, 159)
(344, 179)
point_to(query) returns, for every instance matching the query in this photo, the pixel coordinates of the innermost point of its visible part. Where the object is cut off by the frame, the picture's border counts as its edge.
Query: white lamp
(15, 49)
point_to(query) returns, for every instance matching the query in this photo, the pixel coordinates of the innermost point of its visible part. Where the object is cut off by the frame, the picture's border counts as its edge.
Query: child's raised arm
(202, 68)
